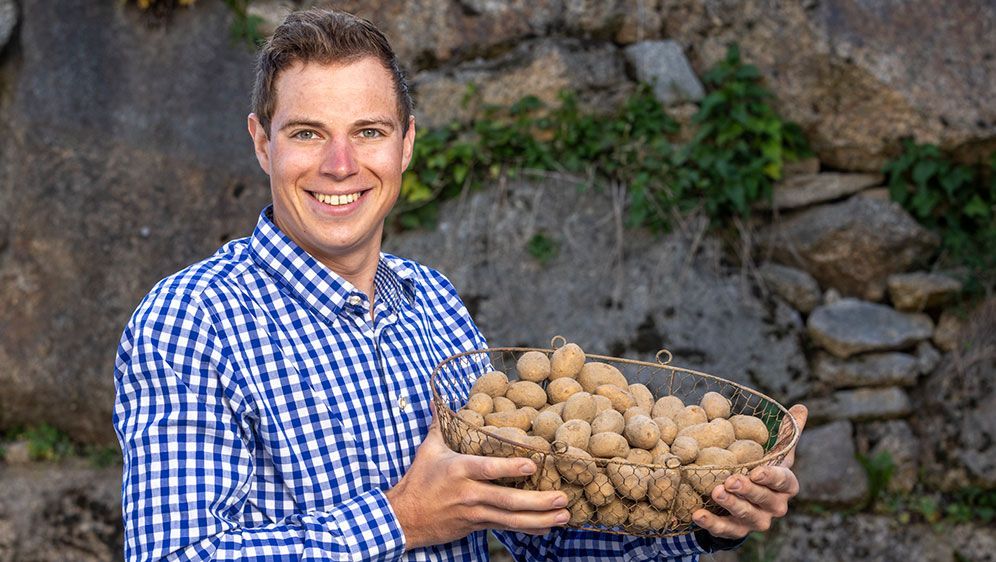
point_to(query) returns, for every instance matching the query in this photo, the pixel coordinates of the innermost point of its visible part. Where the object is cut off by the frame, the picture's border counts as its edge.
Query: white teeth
(337, 199)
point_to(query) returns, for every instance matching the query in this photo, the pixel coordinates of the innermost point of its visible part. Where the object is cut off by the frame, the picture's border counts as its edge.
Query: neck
(359, 269)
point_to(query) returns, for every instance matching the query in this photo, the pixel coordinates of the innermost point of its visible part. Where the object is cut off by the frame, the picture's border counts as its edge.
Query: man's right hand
(445, 496)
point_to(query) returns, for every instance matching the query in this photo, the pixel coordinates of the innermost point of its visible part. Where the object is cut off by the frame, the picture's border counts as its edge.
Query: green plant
(46, 443)
(880, 469)
(732, 161)
(955, 200)
(543, 248)
(102, 457)
(245, 26)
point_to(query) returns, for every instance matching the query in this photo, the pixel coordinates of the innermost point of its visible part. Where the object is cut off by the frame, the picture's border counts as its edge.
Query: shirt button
(354, 300)
(403, 402)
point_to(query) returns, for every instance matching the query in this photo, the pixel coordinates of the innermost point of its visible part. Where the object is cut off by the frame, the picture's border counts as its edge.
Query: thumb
(800, 413)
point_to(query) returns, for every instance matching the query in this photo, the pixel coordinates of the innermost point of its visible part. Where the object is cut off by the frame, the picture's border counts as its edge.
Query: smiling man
(273, 400)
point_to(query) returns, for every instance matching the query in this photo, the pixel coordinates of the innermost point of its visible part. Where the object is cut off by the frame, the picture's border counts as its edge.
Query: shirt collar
(322, 289)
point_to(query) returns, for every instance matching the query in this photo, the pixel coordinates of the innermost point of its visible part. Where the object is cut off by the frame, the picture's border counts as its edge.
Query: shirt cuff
(709, 543)
(370, 527)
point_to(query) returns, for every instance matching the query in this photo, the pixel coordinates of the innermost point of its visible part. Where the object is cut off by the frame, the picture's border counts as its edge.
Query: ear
(409, 144)
(260, 141)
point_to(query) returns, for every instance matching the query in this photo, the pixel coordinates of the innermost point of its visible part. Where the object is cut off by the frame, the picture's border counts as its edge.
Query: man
(273, 401)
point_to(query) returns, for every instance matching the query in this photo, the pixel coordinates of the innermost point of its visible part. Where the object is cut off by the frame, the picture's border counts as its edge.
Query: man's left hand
(756, 499)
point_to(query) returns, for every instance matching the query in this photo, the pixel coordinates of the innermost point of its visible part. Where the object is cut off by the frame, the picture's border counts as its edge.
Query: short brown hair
(326, 37)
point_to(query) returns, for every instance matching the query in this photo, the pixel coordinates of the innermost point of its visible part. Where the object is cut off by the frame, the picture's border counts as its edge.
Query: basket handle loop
(664, 352)
(558, 342)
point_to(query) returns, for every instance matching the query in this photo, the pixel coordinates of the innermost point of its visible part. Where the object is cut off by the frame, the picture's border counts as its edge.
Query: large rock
(623, 297)
(832, 537)
(8, 20)
(862, 404)
(850, 326)
(947, 334)
(871, 369)
(108, 189)
(955, 406)
(894, 438)
(803, 190)
(921, 290)
(852, 246)
(856, 75)
(541, 68)
(827, 468)
(797, 287)
(64, 512)
(663, 64)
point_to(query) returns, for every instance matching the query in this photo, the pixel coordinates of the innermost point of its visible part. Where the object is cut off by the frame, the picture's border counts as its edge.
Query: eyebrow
(379, 121)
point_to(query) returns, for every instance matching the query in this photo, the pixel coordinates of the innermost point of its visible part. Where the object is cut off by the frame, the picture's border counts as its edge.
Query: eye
(305, 135)
(370, 133)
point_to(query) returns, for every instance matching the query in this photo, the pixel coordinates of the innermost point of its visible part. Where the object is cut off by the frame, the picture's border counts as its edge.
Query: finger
(800, 413)
(722, 527)
(524, 521)
(764, 498)
(777, 478)
(513, 499)
(743, 512)
(491, 468)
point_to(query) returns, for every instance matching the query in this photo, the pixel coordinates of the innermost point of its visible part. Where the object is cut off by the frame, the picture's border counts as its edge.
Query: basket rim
(775, 455)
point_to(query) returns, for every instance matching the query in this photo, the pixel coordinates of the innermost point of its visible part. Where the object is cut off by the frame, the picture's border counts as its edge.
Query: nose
(339, 160)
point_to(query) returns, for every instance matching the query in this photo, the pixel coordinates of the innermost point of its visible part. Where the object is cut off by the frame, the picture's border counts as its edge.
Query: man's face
(335, 155)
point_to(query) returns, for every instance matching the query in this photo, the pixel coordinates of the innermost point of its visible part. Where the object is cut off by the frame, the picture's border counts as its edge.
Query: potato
(601, 404)
(537, 442)
(472, 442)
(581, 512)
(555, 408)
(609, 420)
(749, 427)
(746, 450)
(705, 480)
(685, 448)
(574, 492)
(608, 444)
(669, 429)
(481, 403)
(575, 466)
(686, 503)
(575, 433)
(595, 374)
(691, 415)
(515, 418)
(533, 366)
(644, 398)
(471, 417)
(579, 407)
(661, 448)
(492, 447)
(566, 362)
(493, 384)
(663, 487)
(530, 412)
(634, 411)
(559, 390)
(613, 514)
(668, 460)
(667, 407)
(640, 456)
(629, 480)
(502, 404)
(526, 393)
(646, 517)
(715, 405)
(642, 432)
(547, 478)
(600, 491)
(710, 434)
(545, 425)
(621, 399)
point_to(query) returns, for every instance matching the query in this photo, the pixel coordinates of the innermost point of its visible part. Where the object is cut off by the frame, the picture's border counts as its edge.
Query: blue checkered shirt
(262, 415)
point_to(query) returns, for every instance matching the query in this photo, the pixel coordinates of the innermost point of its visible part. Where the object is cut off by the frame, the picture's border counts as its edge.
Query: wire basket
(611, 495)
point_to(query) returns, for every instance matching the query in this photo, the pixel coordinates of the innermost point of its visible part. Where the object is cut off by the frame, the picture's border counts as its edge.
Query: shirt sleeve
(185, 433)
(570, 545)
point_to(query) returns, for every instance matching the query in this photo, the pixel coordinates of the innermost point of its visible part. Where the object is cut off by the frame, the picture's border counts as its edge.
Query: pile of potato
(626, 459)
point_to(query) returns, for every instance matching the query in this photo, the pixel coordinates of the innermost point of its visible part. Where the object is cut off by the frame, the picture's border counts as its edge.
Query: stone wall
(124, 157)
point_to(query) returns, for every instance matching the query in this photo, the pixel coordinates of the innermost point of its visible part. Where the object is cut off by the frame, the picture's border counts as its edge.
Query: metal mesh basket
(611, 495)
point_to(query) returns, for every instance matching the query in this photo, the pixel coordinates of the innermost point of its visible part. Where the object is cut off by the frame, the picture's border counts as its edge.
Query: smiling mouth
(336, 200)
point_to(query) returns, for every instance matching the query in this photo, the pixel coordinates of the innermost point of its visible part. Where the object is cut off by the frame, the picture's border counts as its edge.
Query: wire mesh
(645, 493)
